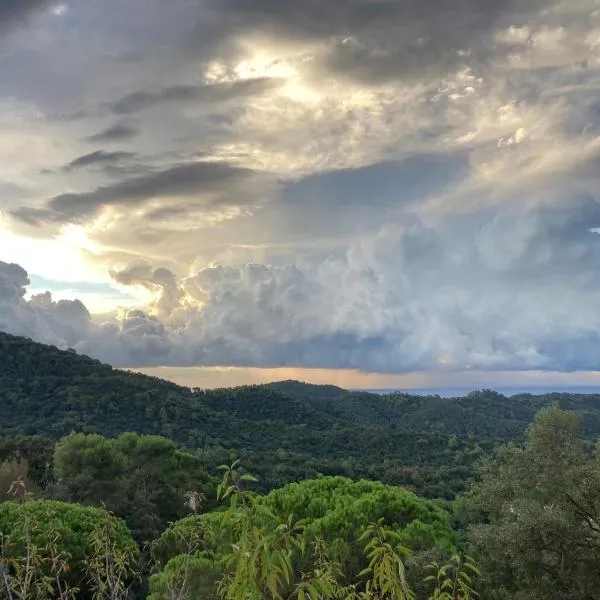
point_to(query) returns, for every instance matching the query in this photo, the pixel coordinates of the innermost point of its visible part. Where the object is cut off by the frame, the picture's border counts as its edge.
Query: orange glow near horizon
(212, 377)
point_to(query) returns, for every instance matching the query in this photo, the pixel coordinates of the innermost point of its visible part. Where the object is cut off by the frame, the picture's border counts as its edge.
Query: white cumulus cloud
(517, 288)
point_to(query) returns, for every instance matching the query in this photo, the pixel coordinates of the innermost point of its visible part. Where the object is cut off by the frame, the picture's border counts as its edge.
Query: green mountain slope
(285, 430)
(482, 413)
(59, 390)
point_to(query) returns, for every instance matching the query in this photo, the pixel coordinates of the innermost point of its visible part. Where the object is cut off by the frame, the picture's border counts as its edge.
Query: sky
(373, 193)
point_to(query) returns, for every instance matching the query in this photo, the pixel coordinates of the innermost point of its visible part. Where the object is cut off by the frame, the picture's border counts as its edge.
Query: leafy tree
(187, 577)
(541, 532)
(50, 547)
(326, 534)
(339, 510)
(90, 469)
(386, 570)
(454, 580)
(143, 479)
(112, 566)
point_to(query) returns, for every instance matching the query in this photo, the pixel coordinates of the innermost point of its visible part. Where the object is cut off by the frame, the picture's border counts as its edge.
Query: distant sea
(455, 392)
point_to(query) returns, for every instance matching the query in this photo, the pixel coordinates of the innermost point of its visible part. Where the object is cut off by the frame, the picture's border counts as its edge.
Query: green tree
(48, 546)
(338, 510)
(143, 479)
(192, 576)
(541, 504)
(454, 580)
(317, 539)
(90, 469)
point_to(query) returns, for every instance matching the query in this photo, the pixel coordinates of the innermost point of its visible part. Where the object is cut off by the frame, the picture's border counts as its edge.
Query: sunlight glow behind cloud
(376, 186)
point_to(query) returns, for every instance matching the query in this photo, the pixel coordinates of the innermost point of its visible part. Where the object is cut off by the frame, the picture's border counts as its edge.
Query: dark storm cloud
(316, 19)
(209, 93)
(370, 39)
(13, 11)
(99, 157)
(193, 179)
(306, 18)
(117, 132)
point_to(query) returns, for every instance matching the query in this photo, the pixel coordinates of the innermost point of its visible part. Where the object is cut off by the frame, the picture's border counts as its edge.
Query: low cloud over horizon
(406, 298)
(389, 186)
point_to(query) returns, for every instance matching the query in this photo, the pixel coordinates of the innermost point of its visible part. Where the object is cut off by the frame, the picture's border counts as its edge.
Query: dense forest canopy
(286, 431)
(83, 389)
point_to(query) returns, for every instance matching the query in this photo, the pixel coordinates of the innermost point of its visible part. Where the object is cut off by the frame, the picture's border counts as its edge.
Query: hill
(285, 431)
(484, 413)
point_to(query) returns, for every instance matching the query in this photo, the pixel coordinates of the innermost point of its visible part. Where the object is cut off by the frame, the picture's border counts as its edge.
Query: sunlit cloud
(358, 186)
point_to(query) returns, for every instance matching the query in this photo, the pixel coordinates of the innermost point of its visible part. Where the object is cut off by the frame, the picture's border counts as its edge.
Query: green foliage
(112, 567)
(49, 544)
(53, 559)
(143, 479)
(186, 577)
(286, 432)
(185, 536)
(540, 535)
(32, 572)
(532, 520)
(58, 391)
(386, 556)
(338, 509)
(454, 580)
(312, 539)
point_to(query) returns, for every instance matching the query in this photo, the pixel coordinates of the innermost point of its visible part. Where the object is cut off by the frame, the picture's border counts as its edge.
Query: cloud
(513, 289)
(308, 215)
(13, 11)
(210, 183)
(160, 282)
(381, 182)
(312, 20)
(99, 157)
(63, 323)
(366, 40)
(115, 133)
(208, 93)
(12, 194)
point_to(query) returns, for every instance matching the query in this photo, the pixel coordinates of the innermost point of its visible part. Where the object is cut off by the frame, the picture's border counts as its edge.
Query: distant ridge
(446, 392)
(283, 430)
(51, 391)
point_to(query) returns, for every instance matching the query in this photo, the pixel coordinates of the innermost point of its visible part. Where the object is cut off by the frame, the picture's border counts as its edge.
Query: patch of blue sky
(53, 285)
(99, 298)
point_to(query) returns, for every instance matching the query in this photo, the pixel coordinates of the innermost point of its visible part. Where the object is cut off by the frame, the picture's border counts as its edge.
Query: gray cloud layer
(212, 180)
(370, 40)
(211, 93)
(99, 157)
(114, 133)
(14, 11)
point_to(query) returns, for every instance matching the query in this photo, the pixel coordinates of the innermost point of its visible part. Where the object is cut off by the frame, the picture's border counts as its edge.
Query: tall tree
(143, 479)
(541, 507)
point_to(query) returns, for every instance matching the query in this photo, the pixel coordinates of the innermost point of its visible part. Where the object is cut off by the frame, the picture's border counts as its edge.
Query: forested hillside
(286, 430)
(67, 391)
